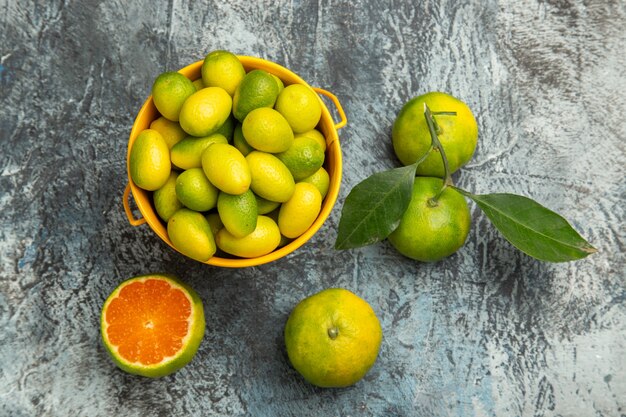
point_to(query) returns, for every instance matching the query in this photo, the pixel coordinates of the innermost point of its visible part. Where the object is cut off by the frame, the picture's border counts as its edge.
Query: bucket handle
(335, 101)
(129, 213)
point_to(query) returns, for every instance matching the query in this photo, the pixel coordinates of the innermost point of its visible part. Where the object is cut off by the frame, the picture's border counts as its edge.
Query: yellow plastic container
(333, 165)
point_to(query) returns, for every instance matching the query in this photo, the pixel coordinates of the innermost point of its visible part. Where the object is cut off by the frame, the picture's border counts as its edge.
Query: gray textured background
(488, 331)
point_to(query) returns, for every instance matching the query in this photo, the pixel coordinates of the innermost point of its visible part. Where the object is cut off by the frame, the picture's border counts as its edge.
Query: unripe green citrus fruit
(428, 231)
(205, 111)
(222, 69)
(169, 91)
(149, 161)
(458, 134)
(333, 338)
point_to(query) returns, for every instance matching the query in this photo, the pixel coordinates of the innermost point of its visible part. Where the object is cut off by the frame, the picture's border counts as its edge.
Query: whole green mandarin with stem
(432, 230)
(458, 133)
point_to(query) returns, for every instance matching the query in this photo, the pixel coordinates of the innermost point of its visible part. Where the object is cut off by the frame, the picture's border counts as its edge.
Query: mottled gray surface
(486, 332)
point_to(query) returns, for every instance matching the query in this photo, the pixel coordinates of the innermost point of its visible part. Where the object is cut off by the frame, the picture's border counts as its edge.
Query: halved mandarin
(152, 325)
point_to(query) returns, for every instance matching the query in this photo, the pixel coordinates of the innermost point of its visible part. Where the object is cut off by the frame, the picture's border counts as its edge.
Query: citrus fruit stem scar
(333, 332)
(433, 129)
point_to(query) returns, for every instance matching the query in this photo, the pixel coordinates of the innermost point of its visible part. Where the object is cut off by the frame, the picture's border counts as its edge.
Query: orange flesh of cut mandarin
(148, 321)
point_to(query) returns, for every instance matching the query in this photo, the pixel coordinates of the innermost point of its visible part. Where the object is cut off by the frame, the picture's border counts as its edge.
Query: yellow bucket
(333, 165)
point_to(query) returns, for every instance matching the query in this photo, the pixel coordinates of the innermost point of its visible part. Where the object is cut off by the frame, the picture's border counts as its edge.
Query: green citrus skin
(171, 131)
(228, 128)
(165, 201)
(238, 212)
(198, 84)
(239, 141)
(321, 180)
(458, 134)
(267, 130)
(265, 206)
(226, 168)
(184, 356)
(298, 213)
(169, 92)
(195, 191)
(215, 222)
(303, 158)
(429, 233)
(257, 89)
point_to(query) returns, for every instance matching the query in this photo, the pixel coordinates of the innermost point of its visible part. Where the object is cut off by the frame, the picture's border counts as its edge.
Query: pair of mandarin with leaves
(426, 217)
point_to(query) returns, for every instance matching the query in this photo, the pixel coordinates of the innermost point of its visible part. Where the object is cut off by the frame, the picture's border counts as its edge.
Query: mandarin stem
(432, 128)
(442, 113)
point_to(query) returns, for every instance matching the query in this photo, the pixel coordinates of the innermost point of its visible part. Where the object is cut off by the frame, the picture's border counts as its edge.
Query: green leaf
(532, 228)
(374, 207)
